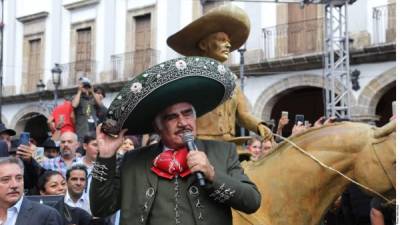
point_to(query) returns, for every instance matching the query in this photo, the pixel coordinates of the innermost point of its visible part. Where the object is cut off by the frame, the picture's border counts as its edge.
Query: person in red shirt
(62, 119)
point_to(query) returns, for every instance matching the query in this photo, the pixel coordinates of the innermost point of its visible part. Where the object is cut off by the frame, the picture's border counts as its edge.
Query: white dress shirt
(82, 203)
(12, 212)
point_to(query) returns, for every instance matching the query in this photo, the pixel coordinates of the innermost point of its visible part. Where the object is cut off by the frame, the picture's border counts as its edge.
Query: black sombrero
(201, 81)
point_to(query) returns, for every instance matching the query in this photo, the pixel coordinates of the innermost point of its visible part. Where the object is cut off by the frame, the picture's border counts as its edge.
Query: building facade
(111, 41)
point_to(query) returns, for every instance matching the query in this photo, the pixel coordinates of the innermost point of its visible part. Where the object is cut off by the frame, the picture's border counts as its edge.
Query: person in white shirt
(91, 149)
(14, 208)
(76, 184)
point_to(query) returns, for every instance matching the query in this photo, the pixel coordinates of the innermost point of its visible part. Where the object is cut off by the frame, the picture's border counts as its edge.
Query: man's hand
(298, 128)
(108, 145)
(26, 152)
(330, 120)
(264, 131)
(198, 162)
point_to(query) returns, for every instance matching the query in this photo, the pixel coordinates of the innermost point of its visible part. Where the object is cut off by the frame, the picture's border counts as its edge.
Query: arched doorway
(307, 101)
(36, 124)
(384, 107)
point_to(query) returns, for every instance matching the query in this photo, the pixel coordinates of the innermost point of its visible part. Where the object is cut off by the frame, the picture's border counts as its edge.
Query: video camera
(85, 82)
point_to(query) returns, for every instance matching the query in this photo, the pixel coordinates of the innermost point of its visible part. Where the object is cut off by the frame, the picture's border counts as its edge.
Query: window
(143, 51)
(34, 64)
(83, 51)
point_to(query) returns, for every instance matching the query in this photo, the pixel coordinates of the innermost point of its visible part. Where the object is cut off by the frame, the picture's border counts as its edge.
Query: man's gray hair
(74, 135)
(12, 160)
(157, 120)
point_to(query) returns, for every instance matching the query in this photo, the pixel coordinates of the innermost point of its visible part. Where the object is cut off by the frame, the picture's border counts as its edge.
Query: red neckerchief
(170, 163)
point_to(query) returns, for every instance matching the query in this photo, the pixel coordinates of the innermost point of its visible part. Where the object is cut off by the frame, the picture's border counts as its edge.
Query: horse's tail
(385, 130)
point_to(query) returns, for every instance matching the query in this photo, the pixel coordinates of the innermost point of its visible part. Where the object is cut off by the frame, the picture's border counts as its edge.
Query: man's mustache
(183, 130)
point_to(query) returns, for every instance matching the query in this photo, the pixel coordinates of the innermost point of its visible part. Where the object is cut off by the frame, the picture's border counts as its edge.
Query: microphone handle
(199, 175)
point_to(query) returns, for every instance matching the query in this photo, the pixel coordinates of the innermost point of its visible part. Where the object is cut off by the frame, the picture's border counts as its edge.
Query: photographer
(85, 106)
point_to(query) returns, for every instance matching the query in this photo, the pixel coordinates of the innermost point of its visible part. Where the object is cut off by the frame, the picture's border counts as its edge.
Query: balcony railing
(129, 64)
(384, 24)
(71, 72)
(293, 38)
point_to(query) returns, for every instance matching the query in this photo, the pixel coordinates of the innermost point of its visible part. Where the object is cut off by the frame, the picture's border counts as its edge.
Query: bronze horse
(296, 190)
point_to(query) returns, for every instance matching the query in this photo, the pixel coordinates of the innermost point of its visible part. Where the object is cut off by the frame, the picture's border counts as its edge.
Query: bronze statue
(216, 34)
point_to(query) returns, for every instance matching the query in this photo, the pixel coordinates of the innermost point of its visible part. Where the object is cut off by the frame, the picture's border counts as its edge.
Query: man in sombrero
(158, 184)
(216, 34)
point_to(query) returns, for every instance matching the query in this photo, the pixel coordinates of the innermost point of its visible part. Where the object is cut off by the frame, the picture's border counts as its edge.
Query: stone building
(111, 41)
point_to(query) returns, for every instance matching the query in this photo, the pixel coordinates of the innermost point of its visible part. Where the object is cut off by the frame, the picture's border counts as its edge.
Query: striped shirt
(58, 164)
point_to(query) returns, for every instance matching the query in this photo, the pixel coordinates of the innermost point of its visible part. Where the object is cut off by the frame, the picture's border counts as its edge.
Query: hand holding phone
(60, 122)
(299, 119)
(26, 152)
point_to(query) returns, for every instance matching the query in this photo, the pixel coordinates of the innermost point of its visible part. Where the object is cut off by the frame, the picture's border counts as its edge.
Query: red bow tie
(170, 163)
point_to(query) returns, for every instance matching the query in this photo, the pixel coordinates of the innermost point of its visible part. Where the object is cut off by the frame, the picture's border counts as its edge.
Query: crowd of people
(65, 166)
(94, 171)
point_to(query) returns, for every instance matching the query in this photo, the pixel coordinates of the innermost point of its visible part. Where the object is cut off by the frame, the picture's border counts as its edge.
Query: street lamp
(40, 88)
(56, 78)
(241, 73)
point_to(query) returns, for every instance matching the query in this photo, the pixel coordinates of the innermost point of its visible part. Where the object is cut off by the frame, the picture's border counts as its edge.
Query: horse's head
(375, 165)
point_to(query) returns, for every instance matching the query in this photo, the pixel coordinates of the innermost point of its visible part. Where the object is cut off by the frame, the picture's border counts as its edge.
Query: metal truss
(337, 58)
(337, 61)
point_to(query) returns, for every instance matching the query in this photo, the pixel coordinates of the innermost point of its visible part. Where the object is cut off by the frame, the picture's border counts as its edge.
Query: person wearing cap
(158, 184)
(86, 105)
(51, 149)
(6, 134)
(216, 34)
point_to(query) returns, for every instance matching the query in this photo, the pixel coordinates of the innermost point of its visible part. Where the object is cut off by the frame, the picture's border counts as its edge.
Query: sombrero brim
(200, 81)
(186, 89)
(228, 18)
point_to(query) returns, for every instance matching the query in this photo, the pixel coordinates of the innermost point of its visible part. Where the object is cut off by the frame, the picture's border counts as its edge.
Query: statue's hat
(227, 18)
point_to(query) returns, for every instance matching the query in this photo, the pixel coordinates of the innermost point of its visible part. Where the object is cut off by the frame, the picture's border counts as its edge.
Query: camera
(85, 82)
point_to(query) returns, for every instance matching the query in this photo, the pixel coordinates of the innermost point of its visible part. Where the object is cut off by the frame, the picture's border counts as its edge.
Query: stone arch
(266, 101)
(374, 90)
(20, 118)
(4, 120)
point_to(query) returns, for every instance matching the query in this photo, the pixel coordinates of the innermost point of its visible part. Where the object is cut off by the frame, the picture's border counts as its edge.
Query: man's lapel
(25, 212)
(151, 176)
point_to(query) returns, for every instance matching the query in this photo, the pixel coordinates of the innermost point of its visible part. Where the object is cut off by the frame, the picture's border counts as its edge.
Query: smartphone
(61, 121)
(39, 152)
(24, 138)
(285, 114)
(394, 108)
(299, 119)
(306, 123)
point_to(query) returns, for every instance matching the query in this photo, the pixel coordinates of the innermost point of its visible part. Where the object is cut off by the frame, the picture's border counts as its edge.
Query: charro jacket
(219, 124)
(136, 188)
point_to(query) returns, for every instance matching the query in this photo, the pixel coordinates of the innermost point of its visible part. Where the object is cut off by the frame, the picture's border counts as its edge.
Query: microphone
(188, 138)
